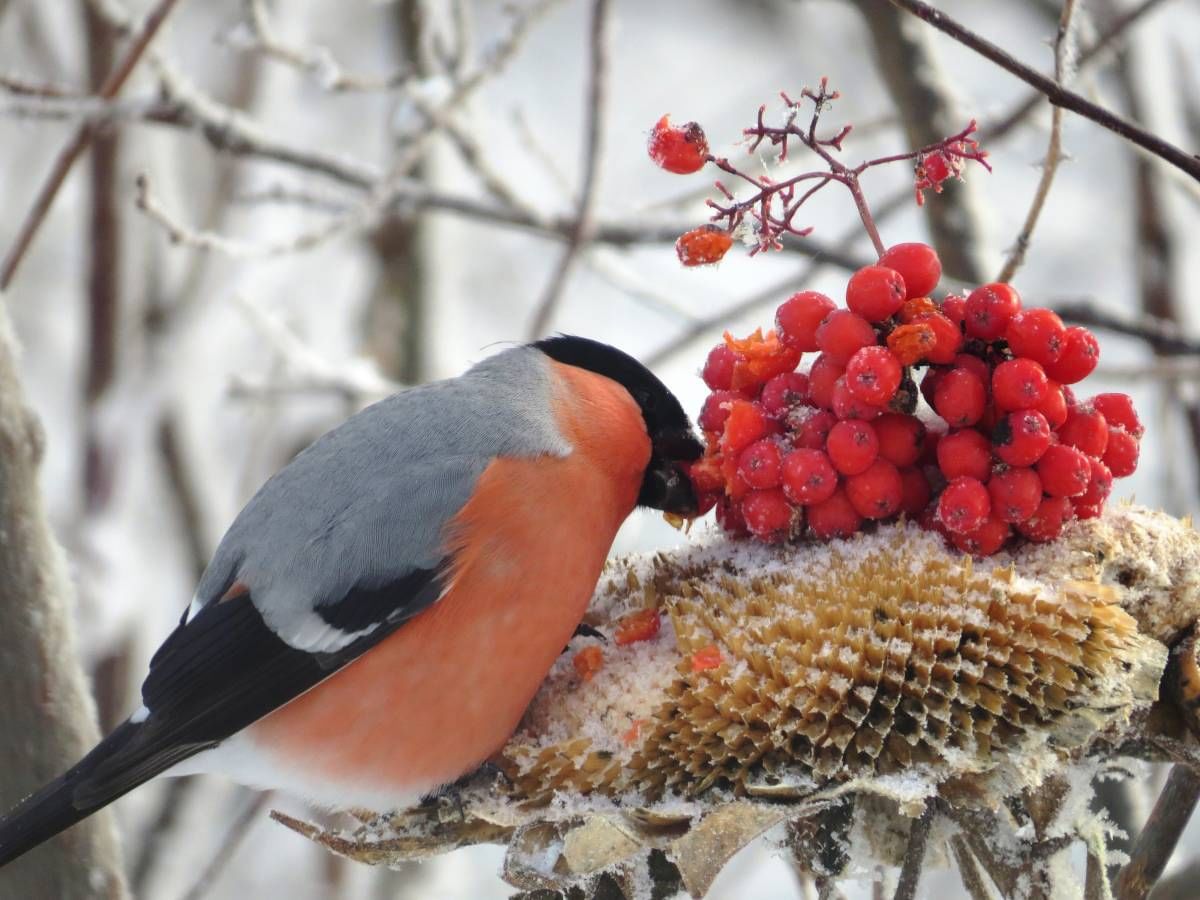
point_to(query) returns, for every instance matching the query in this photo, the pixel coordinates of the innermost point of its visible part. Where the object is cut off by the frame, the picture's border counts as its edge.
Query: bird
(375, 621)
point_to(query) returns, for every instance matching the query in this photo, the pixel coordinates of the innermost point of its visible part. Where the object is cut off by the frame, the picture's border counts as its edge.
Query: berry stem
(864, 212)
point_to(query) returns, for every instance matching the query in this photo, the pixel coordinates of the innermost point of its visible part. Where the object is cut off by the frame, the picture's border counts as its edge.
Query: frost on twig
(830, 697)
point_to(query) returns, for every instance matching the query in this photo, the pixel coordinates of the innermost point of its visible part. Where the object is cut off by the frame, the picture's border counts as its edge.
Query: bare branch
(581, 231)
(1055, 93)
(1063, 41)
(973, 879)
(79, 142)
(1154, 846)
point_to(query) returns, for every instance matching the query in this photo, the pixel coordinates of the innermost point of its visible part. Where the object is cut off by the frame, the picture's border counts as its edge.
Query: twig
(914, 855)
(1055, 93)
(229, 845)
(79, 142)
(22, 88)
(972, 876)
(581, 232)
(1064, 40)
(1095, 884)
(1162, 831)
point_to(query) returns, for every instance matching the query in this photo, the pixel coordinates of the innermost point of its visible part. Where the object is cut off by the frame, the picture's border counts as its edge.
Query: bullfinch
(377, 618)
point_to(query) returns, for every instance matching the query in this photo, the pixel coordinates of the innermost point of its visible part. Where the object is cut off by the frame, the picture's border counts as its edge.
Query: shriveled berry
(852, 446)
(954, 308)
(768, 515)
(1016, 494)
(914, 307)
(965, 452)
(760, 464)
(989, 309)
(1047, 522)
(848, 406)
(918, 265)
(759, 358)
(985, 540)
(799, 316)
(809, 427)
(901, 438)
(703, 246)
(1119, 412)
(1121, 454)
(642, 625)
(964, 505)
(1085, 428)
(681, 149)
(1020, 438)
(947, 338)
(1019, 384)
(916, 492)
(836, 517)
(1065, 471)
(912, 342)
(823, 378)
(747, 422)
(1038, 334)
(808, 477)
(877, 492)
(784, 391)
(588, 661)
(715, 411)
(875, 293)
(842, 334)
(1054, 405)
(959, 398)
(1080, 355)
(873, 375)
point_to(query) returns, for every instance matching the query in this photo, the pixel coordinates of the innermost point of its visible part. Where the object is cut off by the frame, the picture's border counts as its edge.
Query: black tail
(125, 759)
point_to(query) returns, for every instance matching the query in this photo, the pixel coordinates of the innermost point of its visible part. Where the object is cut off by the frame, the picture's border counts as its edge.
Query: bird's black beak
(666, 485)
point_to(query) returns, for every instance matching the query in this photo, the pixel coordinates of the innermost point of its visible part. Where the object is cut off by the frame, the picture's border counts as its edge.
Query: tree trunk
(49, 719)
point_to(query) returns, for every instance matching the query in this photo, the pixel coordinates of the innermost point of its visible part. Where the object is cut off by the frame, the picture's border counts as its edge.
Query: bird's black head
(672, 440)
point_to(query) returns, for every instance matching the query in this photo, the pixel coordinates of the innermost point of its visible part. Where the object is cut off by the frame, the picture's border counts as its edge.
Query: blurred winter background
(339, 195)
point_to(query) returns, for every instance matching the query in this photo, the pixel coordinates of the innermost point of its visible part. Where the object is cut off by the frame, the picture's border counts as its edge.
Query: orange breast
(435, 699)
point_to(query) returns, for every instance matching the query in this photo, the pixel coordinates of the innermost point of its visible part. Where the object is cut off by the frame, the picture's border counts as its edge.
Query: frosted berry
(959, 398)
(842, 334)
(852, 446)
(954, 308)
(1047, 522)
(760, 464)
(1054, 405)
(768, 515)
(808, 477)
(1019, 384)
(965, 452)
(703, 246)
(964, 505)
(809, 426)
(718, 368)
(715, 411)
(918, 265)
(985, 540)
(783, 392)
(1038, 334)
(1020, 438)
(1065, 471)
(875, 293)
(681, 149)
(836, 517)
(1118, 411)
(822, 379)
(989, 309)
(848, 406)
(915, 491)
(1121, 454)
(1080, 355)
(1085, 428)
(798, 317)
(901, 438)
(877, 492)
(1015, 493)
(873, 375)
(1100, 484)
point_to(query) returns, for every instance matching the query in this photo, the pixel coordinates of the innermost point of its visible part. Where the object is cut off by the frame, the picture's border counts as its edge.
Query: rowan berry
(959, 398)
(947, 338)
(852, 446)
(912, 342)
(1118, 411)
(718, 368)
(1018, 384)
(799, 316)
(1047, 521)
(703, 246)
(989, 309)
(1054, 405)
(715, 411)
(964, 505)
(1100, 484)
(809, 426)
(875, 292)
(642, 625)
(1079, 357)
(918, 265)
(808, 477)
(784, 391)
(759, 464)
(877, 492)
(965, 452)
(985, 540)
(823, 378)
(768, 515)
(916, 492)
(681, 149)
(1065, 471)
(1015, 493)
(901, 438)
(954, 308)
(915, 307)
(847, 406)
(1038, 334)
(1121, 454)
(873, 375)
(747, 422)
(835, 517)
(974, 365)
(842, 334)
(730, 518)
(1020, 438)
(1085, 428)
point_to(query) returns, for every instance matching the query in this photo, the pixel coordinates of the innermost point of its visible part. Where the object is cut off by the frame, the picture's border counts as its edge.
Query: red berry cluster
(827, 450)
